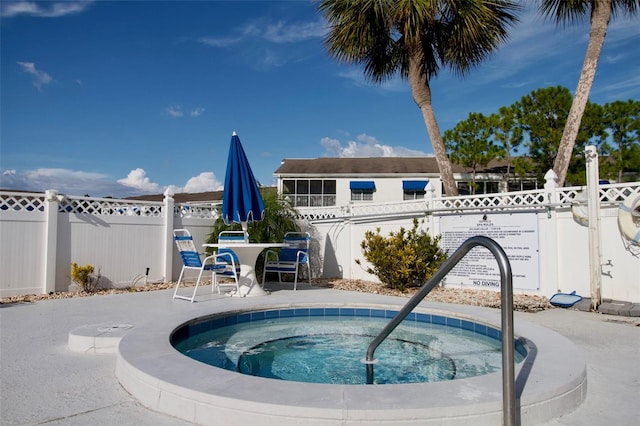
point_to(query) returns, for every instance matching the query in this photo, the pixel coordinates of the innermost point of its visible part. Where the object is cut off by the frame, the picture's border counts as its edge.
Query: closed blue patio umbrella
(241, 201)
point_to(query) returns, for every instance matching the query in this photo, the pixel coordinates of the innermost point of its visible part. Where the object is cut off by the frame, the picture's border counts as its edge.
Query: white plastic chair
(290, 258)
(221, 265)
(231, 238)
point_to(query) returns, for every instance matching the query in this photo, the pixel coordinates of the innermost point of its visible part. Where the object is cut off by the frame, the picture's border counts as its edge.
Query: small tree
(470, 144)
(622, 120)
(403, 259)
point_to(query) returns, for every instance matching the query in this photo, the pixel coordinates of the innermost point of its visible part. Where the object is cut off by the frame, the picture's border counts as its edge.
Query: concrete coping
(550, 382)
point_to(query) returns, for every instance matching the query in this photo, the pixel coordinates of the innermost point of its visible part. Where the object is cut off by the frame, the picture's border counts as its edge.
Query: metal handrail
(506, 280)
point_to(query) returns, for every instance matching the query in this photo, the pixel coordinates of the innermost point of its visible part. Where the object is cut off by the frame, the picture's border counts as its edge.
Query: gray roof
(185, 197)
(368, 166)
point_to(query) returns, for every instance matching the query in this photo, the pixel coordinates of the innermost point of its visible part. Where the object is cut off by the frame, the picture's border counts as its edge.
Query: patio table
(247, 255)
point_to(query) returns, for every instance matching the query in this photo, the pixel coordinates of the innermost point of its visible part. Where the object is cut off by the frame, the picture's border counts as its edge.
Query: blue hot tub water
(327, 345)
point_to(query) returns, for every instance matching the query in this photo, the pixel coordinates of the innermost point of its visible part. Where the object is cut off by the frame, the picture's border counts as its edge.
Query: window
(492, 187)
(464, 188)
(310, 192)
(480, 187)
(362, 190)
(414, 189)
(522, 184)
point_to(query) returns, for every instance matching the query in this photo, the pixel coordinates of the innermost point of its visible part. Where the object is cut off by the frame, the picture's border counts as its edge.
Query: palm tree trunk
(422, 96)
(600, 16)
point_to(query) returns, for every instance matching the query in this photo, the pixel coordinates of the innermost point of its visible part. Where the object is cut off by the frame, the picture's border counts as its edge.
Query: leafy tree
(536, 122)
(622, 120)
(404, 258)
(414, 39)
(542, 115)
(470, 144)
(600, 12)
(506, 133)
(592, 132)
(633, 161)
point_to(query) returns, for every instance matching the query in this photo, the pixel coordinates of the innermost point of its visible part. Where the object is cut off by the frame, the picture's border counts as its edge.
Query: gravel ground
(486, 298)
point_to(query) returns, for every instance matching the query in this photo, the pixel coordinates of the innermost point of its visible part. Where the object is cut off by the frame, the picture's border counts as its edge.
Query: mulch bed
(485, 298)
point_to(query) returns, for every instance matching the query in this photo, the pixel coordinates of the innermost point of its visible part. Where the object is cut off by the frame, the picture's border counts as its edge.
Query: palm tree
(567, 11)
(414, 39)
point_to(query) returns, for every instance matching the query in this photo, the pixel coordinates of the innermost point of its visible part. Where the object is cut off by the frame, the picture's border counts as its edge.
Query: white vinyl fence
(543, 232)
(42, 234)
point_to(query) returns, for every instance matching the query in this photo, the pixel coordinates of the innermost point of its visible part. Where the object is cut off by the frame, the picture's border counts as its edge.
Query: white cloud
(138, 179)
(197, 112)
(628, 88)
(278, 33)
(205, 181)
(271, 59)
(41, 78)
(43, 9)
(357, 77)
(366, 146)
(174, 111)
(331, 146)
(76, 182)
(282, 32)
(72, 182)
(265, 44)
(219, 42)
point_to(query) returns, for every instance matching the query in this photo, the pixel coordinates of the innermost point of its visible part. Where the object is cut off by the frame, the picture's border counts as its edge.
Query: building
(337, 181)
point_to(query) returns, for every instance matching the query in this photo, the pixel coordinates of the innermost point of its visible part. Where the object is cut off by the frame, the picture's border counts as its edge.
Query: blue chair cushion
(191, 259)
(288, 254)
(280, 267)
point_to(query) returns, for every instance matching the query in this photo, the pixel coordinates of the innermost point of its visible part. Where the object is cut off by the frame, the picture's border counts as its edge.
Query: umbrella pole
(245, 229)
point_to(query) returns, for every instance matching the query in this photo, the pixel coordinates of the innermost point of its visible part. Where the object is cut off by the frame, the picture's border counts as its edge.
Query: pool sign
(516, 233)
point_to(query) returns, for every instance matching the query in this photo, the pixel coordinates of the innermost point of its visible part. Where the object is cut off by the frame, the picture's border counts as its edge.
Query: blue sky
(120, 98)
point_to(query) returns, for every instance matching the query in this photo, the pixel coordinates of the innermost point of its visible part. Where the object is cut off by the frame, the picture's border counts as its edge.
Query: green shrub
(83, 276)
(403, 259)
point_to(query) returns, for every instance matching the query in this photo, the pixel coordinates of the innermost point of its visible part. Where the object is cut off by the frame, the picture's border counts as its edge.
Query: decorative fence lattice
(384, 209)
(609, 193)
(321, 213)
(20, 201)
(511, 200)
(105, 206)
(204, 211)
(358, 210)
(35, 202)
(523, 200)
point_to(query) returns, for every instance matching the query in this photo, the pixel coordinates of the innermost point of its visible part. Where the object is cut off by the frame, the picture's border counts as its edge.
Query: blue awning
(363, 185)
(414, 185)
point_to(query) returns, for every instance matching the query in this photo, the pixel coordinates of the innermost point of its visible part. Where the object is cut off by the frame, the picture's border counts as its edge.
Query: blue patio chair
(221, 265)
(290, 258)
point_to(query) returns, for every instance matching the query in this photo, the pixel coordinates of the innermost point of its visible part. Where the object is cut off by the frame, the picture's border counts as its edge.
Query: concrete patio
(44, 382)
